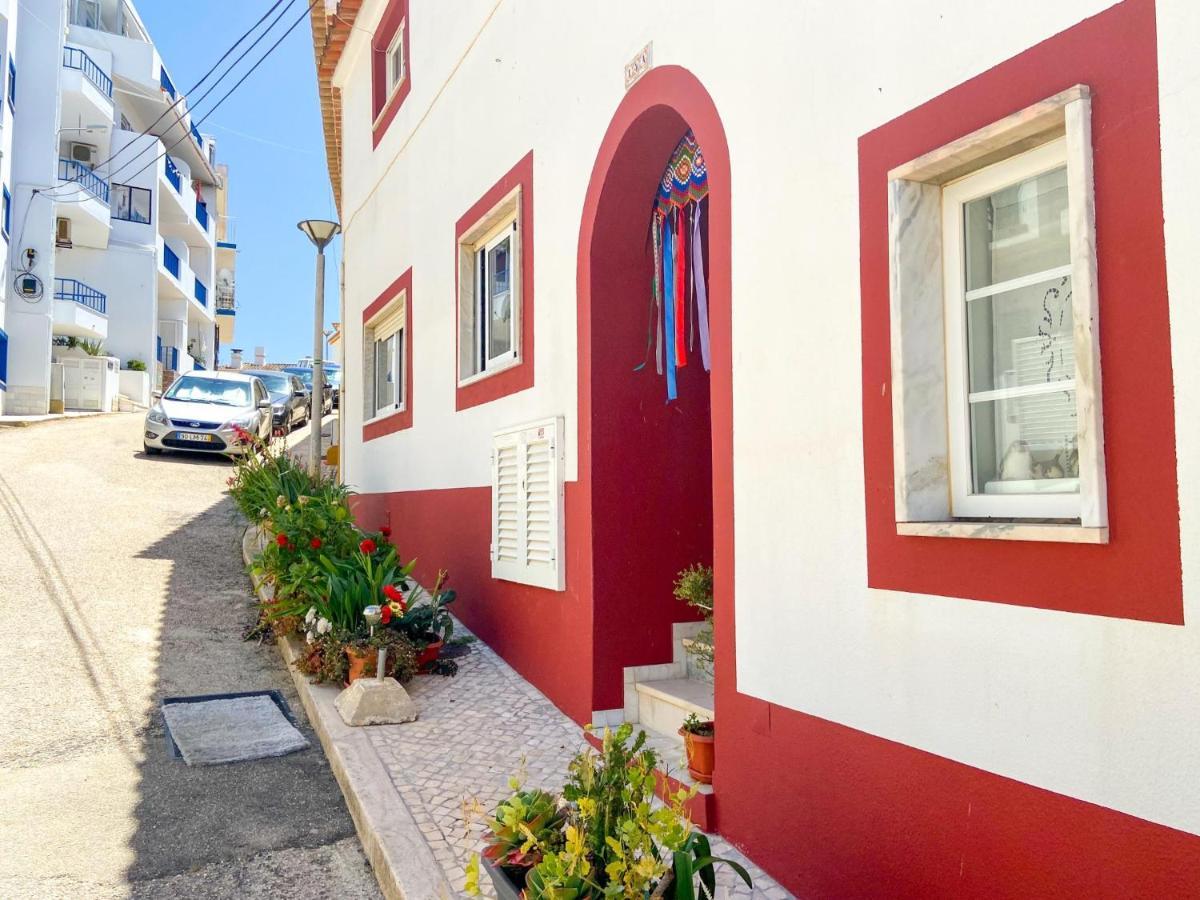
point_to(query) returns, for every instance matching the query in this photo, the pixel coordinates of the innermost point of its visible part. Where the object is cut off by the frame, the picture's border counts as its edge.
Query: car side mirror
(299, 393)
(264, 404)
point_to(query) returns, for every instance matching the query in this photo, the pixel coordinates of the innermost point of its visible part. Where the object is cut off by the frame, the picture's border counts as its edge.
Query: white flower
(312, 638)
(324, 626)
(312, 614)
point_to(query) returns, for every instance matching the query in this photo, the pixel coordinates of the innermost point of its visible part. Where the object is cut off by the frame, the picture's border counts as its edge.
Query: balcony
(225, 304)
(80, 310)
(164, 81)
(83, 198)
(202, 214)
(110, 17)
(69, 170)
(171, 261)
(75, 58)
(200, 291)
(174, 178)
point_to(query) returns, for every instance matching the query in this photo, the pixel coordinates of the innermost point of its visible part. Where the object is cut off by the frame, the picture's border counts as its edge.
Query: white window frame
(928, 383)
(474, 324)
(389, 322)
(519, 455)
(396, 72)
(964, 502)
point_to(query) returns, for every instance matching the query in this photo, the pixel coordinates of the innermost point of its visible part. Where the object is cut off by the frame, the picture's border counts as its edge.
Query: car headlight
(243, 421)
(157, 416)
(277, 407)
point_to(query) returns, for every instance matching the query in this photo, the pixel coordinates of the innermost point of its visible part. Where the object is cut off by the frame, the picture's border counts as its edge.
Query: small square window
(490, 294)
(395, 60)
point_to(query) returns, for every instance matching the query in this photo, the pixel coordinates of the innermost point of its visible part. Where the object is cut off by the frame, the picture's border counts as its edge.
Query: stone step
(663, 705)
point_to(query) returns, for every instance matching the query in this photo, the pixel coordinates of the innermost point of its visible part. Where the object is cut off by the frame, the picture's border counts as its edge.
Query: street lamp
(320, 232)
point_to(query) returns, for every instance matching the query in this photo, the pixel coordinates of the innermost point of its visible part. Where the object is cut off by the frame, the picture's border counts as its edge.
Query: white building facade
(113, 190)
(929, 416)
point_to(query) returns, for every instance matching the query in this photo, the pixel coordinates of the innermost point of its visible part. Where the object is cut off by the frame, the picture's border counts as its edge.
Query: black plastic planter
(507, 888)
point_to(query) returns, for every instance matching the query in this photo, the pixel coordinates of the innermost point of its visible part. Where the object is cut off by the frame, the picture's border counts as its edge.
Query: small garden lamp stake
(374, 615)
(320, 232)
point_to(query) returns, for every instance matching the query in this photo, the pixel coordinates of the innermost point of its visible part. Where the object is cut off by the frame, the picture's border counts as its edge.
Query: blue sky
(269, 133)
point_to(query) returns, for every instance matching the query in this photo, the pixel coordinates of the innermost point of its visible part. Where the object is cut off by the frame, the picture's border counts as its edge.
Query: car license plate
(198, 438)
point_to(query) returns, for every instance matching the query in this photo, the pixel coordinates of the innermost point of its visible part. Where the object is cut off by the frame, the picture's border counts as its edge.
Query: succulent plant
(525, 826)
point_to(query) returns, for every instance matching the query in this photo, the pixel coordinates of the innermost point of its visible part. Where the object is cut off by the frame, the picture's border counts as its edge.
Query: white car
(202, 412)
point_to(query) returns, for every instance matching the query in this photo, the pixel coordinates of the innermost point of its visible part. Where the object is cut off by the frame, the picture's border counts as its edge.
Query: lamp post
(320, 232)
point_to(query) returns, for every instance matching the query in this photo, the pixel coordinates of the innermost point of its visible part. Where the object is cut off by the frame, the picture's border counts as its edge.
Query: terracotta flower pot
(359, 659)
(428, 656)
(700, 755)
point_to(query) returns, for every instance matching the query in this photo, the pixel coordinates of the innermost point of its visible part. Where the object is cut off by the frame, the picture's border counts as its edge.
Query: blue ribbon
(669, 294)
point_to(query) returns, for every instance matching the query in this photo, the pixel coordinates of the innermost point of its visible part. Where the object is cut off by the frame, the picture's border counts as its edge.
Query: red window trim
(517, 377)
(401, 419)
(383, 106)
(1138, 574)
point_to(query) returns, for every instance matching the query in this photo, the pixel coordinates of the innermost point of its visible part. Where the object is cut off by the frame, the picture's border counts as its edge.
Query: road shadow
(189, 459)
(189, 817)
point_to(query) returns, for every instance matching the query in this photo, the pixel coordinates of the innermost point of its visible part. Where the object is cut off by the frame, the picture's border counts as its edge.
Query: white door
(82, 384)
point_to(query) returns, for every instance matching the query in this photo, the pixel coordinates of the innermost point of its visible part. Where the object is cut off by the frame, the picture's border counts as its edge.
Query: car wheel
(151, 451)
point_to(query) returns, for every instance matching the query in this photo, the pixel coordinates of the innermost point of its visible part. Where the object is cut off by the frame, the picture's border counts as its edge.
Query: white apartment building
(110, 197)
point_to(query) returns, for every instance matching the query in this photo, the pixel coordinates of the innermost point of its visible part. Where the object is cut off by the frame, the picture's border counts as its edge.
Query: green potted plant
(698, 741)
(694, 586)
(522, 829)
(426, 619)
(613, 840)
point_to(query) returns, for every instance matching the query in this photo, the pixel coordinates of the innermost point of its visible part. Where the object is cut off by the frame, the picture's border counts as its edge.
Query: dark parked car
(305, 374)
(289, 398)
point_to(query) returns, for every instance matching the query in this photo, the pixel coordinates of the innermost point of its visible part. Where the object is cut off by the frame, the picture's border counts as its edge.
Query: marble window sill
(1007, 531)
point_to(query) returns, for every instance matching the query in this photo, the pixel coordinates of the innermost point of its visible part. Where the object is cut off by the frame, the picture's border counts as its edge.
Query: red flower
(367, 546)
(385, 614)
(281, 539)
(385, 530)
(390, 591)
(315, 543)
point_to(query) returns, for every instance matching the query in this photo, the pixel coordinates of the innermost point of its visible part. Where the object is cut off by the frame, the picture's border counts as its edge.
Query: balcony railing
(225, 297)
(202, 214)
(173, 358)
(171, 260)
(158, 347)
(78, 292)
(196, 135)
(173, 175)
(164, 81)
(69, 170)
(201, 292)
(74, 58)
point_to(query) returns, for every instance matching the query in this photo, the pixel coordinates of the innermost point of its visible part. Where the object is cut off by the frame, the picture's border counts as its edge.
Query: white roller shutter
(527, 505)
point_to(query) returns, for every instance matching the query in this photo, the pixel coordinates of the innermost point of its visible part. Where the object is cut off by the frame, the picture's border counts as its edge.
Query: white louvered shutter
(527, 505)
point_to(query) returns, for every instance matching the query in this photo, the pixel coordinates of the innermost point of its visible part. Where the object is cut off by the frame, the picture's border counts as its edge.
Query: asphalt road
(121, 583)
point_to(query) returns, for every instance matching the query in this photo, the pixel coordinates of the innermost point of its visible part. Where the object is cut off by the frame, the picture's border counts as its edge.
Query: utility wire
(183, 95)
(227, 94)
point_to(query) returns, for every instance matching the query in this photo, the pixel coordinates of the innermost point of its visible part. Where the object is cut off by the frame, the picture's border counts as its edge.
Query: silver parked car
(202, 412)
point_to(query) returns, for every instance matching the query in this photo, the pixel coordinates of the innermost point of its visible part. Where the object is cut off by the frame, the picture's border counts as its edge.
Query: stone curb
(403, 863)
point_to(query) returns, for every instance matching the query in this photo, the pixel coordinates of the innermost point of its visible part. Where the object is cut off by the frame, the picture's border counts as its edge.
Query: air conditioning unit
(84, 153)
(62, 232)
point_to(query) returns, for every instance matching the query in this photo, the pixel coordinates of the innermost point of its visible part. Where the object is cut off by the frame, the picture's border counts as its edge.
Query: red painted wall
(1138, 574)
(544, 635)
(651, 461)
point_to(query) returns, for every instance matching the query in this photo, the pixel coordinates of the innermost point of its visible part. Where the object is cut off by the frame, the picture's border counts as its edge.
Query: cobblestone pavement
(452, 765)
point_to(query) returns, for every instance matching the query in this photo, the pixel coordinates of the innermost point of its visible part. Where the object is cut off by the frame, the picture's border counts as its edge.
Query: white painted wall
(1099, 709)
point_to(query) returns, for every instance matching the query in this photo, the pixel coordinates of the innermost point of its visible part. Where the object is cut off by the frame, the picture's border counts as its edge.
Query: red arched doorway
(657, 479)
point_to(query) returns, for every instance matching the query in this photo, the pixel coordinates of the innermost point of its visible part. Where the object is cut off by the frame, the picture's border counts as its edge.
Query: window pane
(499, 298)
(1018, 230)
(1025, 445)
(140, 205)
(1022, 337)
(385, 374)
